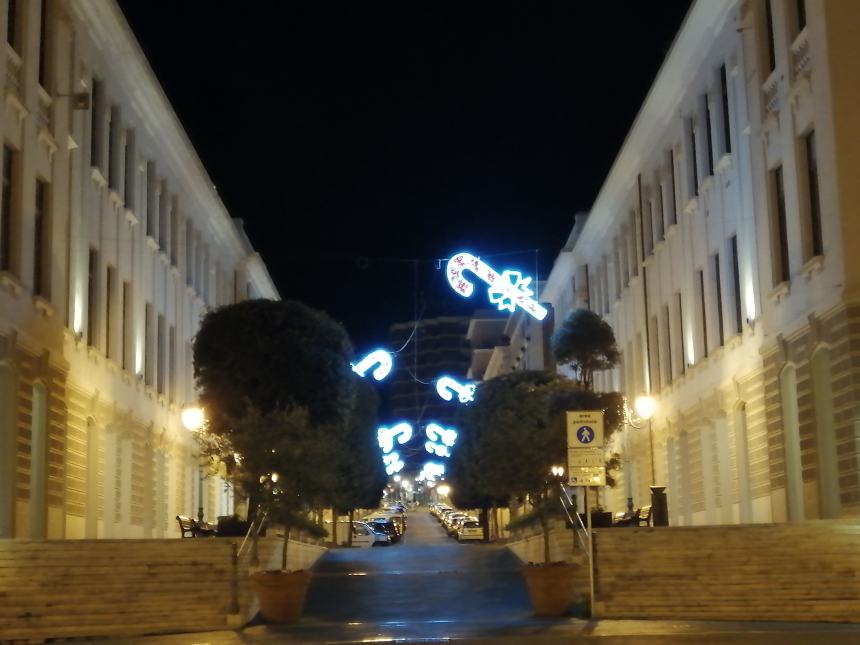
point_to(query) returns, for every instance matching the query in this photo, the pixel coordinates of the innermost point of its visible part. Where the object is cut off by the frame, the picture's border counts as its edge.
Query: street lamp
(645, 407)
(193, 418)
(557, 471)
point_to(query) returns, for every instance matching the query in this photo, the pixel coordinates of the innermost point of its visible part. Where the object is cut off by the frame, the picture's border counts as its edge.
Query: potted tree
(275, 382)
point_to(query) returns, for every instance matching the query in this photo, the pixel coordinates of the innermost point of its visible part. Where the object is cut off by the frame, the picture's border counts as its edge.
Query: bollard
(659, 507)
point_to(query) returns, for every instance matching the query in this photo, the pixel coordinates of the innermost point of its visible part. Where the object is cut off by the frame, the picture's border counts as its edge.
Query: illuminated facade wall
(717, 250)
(113, 243)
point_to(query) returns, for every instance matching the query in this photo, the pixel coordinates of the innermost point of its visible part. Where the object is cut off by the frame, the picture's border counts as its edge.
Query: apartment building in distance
(719, 249)
(113, 243)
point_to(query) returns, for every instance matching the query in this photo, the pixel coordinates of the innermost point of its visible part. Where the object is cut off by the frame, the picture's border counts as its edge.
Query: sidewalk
(604, 632)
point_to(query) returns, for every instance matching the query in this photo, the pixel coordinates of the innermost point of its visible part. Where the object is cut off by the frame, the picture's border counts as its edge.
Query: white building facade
(113, 244)
(719, 250)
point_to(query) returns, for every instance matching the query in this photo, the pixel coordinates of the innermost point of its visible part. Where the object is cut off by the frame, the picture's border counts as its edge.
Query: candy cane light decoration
(507, 289)
(378, 357)
(446, 387)
(385, 436)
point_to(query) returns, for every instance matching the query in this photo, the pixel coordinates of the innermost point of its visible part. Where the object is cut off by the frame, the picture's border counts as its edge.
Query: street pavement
(430, 589)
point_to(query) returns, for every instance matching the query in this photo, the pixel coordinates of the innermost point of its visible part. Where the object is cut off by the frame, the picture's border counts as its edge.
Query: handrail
(573, 522)
(251, 528)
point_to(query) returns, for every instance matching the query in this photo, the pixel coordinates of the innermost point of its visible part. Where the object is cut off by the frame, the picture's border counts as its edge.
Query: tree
(275, 382)
(515, 431)
(361, 473)
(587, 343)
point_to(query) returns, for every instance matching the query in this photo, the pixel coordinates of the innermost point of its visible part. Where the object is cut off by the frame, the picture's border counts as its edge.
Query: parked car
(457, 522)
(449, 522)
(365, 535)
(384, 516)
(384, 525)
(470, 529)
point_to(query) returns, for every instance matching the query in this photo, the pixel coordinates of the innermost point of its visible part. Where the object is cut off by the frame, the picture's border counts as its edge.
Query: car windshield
(471, 525)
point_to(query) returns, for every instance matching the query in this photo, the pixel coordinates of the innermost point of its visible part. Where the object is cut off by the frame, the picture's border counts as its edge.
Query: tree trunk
(334, 526)
(544, 525)
(485, 524)
(284, 550)
(351, 519)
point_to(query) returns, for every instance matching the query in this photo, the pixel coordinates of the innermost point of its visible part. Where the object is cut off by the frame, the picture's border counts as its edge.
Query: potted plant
(275, 381)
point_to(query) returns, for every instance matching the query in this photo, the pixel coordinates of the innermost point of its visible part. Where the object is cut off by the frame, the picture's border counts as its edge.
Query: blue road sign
(585, 434)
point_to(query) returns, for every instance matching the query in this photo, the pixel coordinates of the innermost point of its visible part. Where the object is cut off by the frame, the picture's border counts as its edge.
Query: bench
(189, 527)
(640, 517)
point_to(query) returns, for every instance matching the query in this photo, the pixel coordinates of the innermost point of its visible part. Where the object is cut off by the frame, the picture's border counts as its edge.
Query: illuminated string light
(431, 471)
(385, 436)
(437, 449)
(379, 357)
(435, 432)
(507, 289)
(446, 387)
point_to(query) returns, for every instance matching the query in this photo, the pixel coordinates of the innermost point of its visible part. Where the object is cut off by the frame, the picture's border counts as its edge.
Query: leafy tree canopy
(587, 343)
(272, 355)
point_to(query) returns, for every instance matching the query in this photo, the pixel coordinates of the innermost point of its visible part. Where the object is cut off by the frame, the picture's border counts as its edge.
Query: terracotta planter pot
(281, 594)
(551, 587)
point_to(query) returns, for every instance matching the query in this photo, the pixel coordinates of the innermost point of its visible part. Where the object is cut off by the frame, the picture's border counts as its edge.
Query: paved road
(426, 577)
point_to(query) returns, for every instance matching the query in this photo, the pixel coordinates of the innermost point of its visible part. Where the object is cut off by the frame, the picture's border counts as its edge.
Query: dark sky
(351, 135)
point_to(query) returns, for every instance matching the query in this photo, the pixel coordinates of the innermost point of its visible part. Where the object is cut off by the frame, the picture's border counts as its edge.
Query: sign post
(585, 467)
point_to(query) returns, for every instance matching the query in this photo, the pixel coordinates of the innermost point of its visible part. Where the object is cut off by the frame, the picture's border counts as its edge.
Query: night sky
(356, 137)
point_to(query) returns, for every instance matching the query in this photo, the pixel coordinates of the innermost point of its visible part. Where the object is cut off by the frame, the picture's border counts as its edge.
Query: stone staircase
(89, 588)
(787, 572)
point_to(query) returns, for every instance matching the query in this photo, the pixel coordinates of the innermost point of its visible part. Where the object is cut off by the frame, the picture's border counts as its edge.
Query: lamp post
(645, 406)
(193, 417)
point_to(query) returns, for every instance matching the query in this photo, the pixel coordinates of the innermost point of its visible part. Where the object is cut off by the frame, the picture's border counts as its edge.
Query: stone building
(113, 243)
(719, 250)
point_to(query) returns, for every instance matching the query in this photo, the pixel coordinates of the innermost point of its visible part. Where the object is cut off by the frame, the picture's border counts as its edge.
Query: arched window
(791, 439)
(828, 465)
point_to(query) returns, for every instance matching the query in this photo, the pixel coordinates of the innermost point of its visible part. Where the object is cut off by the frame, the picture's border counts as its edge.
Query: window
(189, 253)
(736, 284)
(625, 263)
(127, 331)
(673, 195)
(655, 371)
(41, 256)
(96, 125)
(163, 218)
(43, 44)
(151, 201)
(771, 49)
(92, 291)
(6, 201)
(719, 298)
(642, 219)
(12, 25)
(727, 128)
(801, 14)
(130, 174)
(694, 162)
(148, 353)
(604, 282)
(815, 243)
(667, 343)
(703, 311)
(682, 356)
(161, 340)
(114, 143)
(631, 246)
(109, 313)
(659, 209)
(174, 232)
(710, 135)
(779, 228)
(171, 364)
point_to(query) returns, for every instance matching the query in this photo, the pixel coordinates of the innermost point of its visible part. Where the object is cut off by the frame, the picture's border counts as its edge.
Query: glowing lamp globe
(193, 417)
(645, 406)
(444, 489)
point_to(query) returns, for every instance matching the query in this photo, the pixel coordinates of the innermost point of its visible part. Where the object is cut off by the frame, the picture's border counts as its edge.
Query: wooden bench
(189, 527)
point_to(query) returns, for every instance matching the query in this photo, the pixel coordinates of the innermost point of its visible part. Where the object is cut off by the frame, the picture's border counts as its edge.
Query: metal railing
(252, 534)
(577, 526)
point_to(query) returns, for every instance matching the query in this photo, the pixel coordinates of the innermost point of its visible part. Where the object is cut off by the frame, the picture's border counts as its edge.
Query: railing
(253, 533)
(577, 525)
